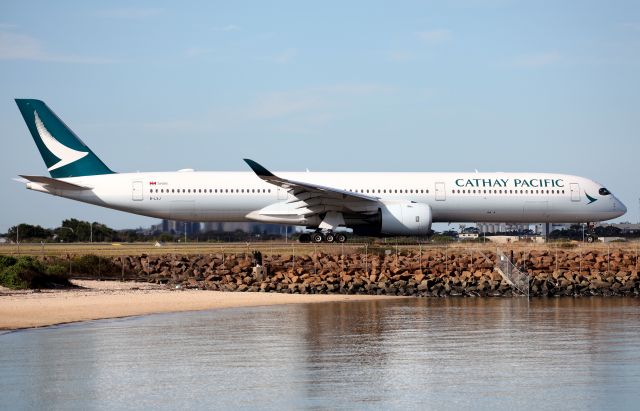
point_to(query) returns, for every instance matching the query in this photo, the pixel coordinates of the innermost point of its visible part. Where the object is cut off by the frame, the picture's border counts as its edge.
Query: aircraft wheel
(329, 237)
(590, 239)
(305, 238)
(341, 238)
(317, 237)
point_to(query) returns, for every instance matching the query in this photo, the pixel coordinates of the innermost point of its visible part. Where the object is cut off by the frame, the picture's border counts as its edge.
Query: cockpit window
(604, 192)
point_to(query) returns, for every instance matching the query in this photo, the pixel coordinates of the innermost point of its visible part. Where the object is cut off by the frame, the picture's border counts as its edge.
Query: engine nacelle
(405, 218)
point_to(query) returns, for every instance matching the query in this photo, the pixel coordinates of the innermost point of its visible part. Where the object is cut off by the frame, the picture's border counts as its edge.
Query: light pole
(91, 232)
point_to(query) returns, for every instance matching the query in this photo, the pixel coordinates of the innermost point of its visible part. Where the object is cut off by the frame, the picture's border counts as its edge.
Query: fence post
(366, 260)
(420, 258)
(446, 260)
(580, 273)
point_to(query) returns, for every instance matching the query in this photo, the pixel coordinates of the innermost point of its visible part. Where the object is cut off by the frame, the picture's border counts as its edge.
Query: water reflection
(410, 353)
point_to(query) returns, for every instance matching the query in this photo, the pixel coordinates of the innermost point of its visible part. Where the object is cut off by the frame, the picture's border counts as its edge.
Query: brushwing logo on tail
(65, 154)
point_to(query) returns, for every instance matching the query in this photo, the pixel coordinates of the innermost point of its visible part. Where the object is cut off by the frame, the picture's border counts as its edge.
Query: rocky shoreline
(433, 273)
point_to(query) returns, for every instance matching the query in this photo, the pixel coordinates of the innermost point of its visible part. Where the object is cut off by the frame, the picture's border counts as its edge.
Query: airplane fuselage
(453, 197)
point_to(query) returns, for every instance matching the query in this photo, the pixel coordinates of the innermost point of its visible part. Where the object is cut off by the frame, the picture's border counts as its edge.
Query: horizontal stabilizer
(54, 183)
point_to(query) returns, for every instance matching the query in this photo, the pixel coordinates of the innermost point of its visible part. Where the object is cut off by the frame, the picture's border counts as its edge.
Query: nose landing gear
(590, 236)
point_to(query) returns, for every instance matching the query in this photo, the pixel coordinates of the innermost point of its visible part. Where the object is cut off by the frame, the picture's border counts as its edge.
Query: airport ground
(271, 248)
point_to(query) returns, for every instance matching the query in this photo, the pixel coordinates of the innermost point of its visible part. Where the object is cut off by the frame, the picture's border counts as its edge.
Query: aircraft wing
(315, 198)
(55, 183)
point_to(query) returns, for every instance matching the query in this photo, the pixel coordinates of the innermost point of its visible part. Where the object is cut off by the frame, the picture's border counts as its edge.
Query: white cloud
(228, 27)
(401, 56)
(285, 56)
(14, 46)
(197, 51)
(318, 101)
(283, 104)
(536, 60)
(635, 26)
(130, 13)
(435, 36)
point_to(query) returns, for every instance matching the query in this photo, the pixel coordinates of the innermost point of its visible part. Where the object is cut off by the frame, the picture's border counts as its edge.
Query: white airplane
(380, 204)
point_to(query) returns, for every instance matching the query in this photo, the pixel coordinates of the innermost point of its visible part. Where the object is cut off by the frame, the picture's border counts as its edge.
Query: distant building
(544, 229)
(494, 228)
(625, 228)
(178, 227)
(468, 236)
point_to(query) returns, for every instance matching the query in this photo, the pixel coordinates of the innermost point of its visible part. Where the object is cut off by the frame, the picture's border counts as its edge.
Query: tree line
(73, 230)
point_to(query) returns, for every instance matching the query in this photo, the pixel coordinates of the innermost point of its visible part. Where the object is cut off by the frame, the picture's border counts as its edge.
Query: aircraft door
(282, 194)
(136, 191)
(575, 191)
(441, 195)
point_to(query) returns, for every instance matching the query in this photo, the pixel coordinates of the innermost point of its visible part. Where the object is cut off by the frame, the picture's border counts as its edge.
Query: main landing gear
(319, 237)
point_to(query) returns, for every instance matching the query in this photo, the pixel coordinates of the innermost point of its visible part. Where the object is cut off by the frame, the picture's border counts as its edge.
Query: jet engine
(398, 218)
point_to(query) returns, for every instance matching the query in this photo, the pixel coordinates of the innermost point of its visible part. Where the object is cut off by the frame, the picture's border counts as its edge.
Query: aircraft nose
(623, 207)
(619, 207)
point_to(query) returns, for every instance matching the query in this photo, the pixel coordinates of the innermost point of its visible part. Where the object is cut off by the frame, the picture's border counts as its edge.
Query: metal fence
(516, 278)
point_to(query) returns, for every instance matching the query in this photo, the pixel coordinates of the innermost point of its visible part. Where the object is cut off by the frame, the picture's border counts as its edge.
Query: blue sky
(493, 85)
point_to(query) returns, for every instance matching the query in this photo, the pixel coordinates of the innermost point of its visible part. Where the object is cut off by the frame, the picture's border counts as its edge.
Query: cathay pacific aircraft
(381, 204)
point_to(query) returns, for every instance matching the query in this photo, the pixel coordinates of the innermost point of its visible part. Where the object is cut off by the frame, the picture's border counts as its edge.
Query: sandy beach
(112, 299)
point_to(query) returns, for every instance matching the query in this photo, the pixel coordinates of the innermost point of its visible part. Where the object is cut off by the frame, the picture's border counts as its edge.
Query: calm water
(413, 353)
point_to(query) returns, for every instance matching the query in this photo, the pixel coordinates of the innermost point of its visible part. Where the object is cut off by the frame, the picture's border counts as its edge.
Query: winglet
(258, 169)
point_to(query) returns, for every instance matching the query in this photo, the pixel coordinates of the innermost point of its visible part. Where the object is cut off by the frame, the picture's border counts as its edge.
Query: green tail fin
(62, 151)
